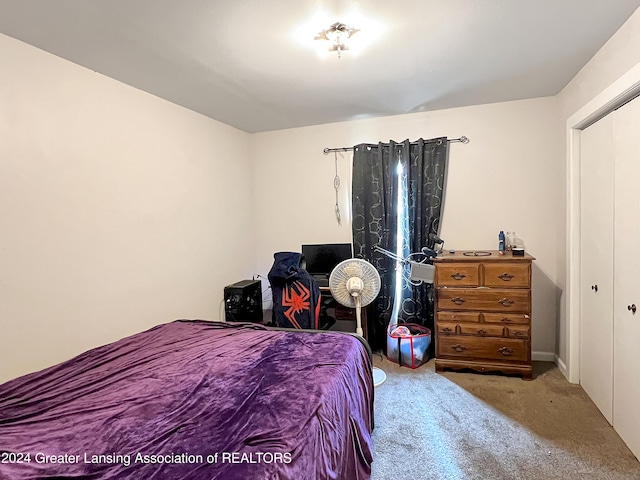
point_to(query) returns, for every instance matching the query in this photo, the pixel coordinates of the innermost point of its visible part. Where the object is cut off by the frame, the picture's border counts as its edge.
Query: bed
(194, 400)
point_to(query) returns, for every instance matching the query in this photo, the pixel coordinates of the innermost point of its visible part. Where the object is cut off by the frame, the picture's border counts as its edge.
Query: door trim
(615, 95)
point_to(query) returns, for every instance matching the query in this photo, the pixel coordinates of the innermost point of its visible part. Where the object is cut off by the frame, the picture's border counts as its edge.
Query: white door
(596, 291)
(626, 345)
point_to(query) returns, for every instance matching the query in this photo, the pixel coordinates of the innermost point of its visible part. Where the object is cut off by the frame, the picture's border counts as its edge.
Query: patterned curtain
(397, 191)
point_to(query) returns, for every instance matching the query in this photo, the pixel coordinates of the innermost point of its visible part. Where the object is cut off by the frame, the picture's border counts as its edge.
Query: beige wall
(118, 210)
(506, 178)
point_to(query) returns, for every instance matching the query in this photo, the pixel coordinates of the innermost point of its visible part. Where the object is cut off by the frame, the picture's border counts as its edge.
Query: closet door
(626, 379)
(596, 291)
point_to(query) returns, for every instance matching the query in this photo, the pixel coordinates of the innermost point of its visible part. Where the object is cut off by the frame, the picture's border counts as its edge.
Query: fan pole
(352, 278)
(358, 317)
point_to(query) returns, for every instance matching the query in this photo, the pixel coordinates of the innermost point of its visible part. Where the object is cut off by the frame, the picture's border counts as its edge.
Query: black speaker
(243, 301)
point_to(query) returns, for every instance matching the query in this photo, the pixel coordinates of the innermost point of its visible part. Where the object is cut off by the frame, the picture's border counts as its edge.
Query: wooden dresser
(483, 312)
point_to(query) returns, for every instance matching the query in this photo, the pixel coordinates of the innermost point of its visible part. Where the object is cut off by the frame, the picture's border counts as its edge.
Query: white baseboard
(551, 357)
(562, 367)
(544, 357)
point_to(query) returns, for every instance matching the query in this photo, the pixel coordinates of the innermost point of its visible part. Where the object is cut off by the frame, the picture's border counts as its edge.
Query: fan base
(378, 376)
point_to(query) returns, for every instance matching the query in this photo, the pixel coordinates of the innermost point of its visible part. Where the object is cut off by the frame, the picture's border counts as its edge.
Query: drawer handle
(519, 333)
(506, 320)
(505, 302)
(447, 330)
(458, 348)
(482, 332)
(458, 300)
(458, 276)
(505, 351)
(505, 276)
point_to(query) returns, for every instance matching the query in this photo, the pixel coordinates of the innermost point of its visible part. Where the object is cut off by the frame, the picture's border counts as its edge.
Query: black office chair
(296, 295)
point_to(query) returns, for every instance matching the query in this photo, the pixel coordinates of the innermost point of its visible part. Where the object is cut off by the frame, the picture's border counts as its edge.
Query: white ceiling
(245, 63)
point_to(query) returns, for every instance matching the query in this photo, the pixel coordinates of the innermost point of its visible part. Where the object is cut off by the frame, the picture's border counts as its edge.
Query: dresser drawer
(458, 275)
(507, 319)
(507, 275)
(519, 331)
(458, 316)
(447, 328)
(507, 349)
(482, 330)
(484, 299)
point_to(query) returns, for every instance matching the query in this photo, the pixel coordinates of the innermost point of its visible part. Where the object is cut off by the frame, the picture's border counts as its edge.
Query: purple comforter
(195, 400)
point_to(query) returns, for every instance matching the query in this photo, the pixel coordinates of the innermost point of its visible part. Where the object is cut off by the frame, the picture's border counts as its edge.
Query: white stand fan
(355, 283)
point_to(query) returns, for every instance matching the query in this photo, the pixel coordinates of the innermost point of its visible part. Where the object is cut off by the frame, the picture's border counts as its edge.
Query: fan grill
(347, 269)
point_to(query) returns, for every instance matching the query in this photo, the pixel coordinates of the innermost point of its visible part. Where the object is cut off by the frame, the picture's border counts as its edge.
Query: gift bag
(408, 344)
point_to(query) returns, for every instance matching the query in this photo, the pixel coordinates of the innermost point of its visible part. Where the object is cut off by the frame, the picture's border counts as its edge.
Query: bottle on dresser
(501, 242)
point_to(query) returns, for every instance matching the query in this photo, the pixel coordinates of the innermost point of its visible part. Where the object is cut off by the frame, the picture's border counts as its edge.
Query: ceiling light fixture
(337, 34)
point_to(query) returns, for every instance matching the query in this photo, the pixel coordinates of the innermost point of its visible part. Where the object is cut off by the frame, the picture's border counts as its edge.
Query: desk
(345, 317)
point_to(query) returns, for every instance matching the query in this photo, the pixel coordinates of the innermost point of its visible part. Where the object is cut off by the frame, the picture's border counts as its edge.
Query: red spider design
(297, 300)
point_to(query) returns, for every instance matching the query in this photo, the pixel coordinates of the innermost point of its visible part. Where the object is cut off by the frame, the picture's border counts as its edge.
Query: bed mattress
(195, 400)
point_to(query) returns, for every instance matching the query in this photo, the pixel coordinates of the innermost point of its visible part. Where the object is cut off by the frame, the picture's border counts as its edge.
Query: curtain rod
(327, 151)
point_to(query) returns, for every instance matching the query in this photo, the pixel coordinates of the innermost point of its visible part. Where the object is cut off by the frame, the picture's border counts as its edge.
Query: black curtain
(377, 182)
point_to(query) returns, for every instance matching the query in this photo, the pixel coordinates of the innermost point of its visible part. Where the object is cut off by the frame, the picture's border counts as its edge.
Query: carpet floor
(456, 425)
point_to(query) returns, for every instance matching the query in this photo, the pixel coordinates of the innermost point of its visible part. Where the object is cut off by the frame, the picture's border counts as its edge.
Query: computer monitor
(322, 258)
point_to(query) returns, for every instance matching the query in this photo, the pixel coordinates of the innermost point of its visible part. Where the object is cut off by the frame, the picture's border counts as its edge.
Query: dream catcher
(336, 186)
